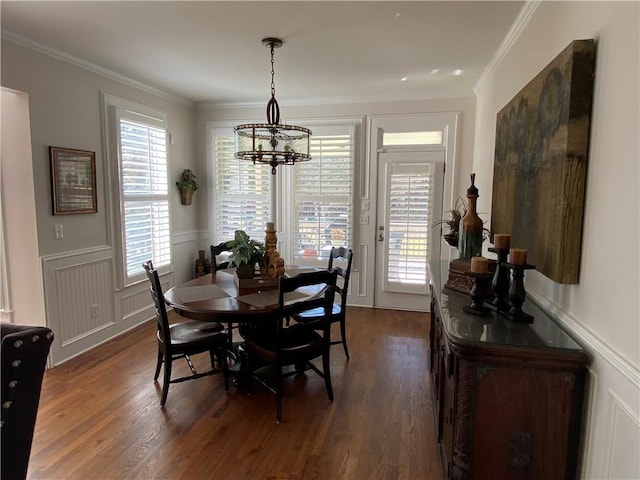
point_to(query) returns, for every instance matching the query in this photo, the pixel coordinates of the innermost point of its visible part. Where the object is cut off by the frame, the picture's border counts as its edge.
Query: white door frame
(446, 122)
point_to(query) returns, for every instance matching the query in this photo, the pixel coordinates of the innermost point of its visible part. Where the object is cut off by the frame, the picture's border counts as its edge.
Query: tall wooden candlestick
(501, 282)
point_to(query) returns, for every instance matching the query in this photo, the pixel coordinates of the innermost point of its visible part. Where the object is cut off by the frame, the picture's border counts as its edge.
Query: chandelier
(271, 142)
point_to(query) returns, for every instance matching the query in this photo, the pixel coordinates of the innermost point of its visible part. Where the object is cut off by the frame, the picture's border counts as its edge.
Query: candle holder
(501, 281)
(517, 294)
(477, 306)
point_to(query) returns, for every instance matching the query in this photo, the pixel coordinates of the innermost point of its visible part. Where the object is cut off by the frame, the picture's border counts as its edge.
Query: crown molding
(78, 62)
(509, 39)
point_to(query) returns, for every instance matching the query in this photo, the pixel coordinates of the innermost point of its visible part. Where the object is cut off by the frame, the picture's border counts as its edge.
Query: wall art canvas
(540, 167)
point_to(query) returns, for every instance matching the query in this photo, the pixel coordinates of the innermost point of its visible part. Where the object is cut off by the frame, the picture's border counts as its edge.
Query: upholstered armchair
(24, 354)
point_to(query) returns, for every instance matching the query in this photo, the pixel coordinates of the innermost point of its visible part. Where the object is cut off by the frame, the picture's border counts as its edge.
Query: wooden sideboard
(508, 396)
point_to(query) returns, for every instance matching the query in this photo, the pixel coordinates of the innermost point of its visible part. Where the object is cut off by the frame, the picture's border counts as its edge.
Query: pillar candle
(271, 226)
(518, 256)
(479, 264)
(502, 241)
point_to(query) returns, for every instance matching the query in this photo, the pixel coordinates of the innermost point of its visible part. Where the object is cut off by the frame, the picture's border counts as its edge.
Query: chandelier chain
(273, 83)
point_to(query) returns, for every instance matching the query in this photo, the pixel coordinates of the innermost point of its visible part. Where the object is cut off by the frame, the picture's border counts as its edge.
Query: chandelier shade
(272, 143)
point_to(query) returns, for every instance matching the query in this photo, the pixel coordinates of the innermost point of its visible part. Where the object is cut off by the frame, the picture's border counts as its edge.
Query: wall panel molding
(612, 412)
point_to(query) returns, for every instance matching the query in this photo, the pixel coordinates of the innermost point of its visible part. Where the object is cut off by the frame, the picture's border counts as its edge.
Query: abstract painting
(540, 167)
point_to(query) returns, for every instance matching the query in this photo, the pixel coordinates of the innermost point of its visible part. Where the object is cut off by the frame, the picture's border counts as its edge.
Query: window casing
(138, 147)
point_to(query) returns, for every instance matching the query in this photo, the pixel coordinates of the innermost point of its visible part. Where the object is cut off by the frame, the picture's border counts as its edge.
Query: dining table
(219, 297)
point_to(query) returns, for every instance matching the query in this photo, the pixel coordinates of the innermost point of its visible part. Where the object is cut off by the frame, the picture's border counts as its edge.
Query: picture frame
(73, 181)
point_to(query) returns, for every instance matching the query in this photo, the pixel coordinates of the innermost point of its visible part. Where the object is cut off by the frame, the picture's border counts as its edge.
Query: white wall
(602, 310)
(78, 270)
(25, 299)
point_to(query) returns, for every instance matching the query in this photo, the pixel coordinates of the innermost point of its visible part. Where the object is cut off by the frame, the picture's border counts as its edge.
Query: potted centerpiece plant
(187, 185)
(245, 254)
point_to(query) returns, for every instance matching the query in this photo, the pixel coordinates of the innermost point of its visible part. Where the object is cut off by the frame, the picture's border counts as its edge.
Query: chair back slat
(324, 300)
(344, 272)
(218, 250)
(162, 318)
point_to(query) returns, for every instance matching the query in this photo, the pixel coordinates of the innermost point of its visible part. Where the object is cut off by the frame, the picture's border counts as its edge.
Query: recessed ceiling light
(398, 15)
(435, 71)
(403, 79)
(457, 72)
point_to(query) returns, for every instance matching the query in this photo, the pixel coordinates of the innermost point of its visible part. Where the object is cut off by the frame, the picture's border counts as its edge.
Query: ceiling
(333, 52)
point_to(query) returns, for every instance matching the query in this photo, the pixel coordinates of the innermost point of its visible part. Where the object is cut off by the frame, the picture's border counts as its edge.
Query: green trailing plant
(188, 181)
(244, 250)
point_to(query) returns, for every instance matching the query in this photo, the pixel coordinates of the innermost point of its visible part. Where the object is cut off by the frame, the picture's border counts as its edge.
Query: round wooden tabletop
(216, 297)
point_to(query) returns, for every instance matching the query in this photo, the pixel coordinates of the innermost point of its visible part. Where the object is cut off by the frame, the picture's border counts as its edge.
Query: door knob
(380, 233)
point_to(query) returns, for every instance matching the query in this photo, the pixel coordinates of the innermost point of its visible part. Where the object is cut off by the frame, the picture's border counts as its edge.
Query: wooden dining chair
(344, 256)
(215, 266)
(218, 250)
(278, 346)
(183, 339)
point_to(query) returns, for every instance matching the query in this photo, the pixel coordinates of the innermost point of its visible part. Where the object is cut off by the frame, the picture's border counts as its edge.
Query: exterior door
(409, 202)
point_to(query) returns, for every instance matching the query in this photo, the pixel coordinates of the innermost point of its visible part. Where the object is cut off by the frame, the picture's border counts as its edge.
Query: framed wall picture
(73, 181)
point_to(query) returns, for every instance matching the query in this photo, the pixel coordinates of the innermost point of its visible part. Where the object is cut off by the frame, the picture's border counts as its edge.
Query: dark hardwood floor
(100, 414)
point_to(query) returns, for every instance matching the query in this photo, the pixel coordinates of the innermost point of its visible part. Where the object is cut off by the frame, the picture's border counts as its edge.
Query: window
(317, 196)
(412, 138)
(409, 209)
(323, 191)
(242, 198)
(141, 142)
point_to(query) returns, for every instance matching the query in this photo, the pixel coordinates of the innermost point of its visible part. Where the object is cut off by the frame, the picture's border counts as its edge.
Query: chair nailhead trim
(7, 404)
(16, 363)
(17, 344)
(35, 338)
(13, 383)
(49, 335)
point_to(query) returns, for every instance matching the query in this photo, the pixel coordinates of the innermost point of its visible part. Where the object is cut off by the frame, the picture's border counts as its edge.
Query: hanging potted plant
(245, 254)
(187, 185)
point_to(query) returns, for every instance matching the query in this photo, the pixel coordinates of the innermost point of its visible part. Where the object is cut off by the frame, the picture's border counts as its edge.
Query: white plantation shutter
(322, 208)
(410, 214)
(144, 192)
(242, 198)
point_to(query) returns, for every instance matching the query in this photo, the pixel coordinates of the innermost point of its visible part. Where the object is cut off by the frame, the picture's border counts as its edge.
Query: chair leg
(344, 337)
(326, 370)
(278, 388)
(225, 373)
(158, 365)
(166, 381)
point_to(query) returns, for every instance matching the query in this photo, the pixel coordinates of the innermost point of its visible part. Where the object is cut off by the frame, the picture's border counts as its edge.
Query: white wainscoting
(79, 300)
(184, 251)
(611, 429)
(83, 307)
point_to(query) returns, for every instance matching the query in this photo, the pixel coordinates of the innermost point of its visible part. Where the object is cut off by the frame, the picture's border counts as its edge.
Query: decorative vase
(186, 194)
(471, 225)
